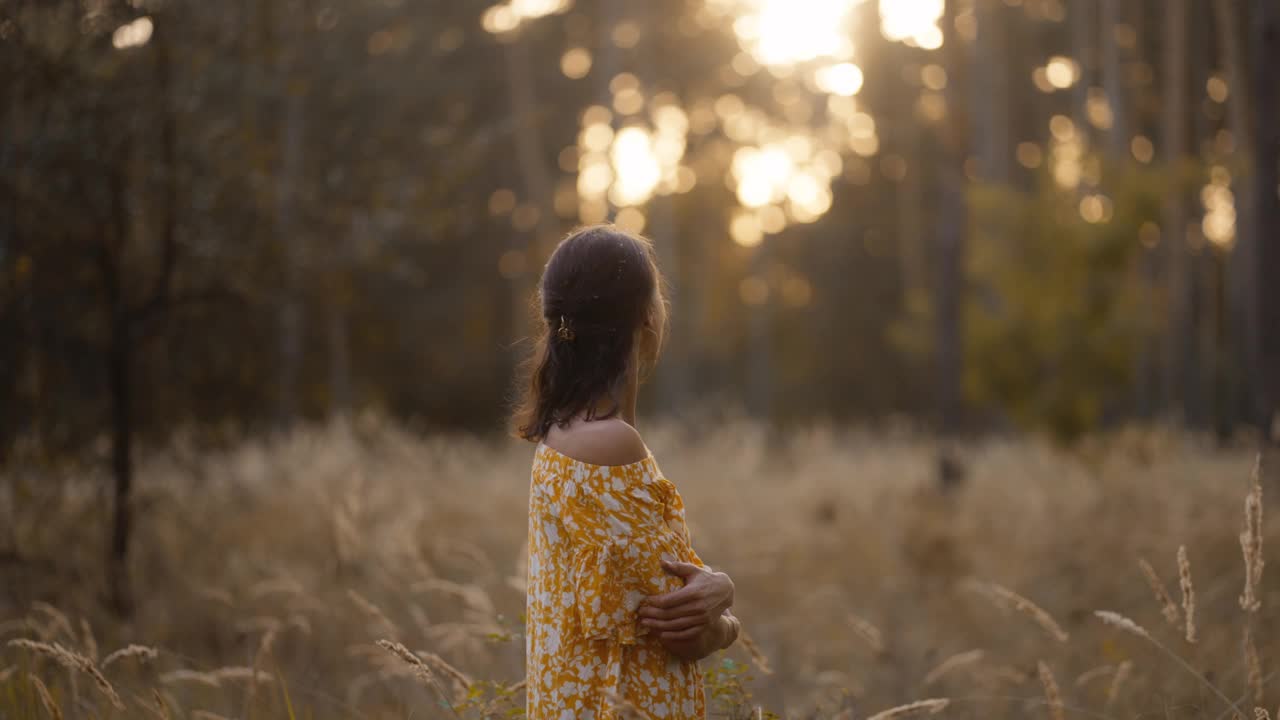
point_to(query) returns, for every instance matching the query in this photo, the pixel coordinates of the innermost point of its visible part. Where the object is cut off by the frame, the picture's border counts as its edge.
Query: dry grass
(267, 572)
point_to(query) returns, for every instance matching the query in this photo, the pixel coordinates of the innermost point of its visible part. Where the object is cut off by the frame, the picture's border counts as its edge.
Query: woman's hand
(693, 610)
(716, 636)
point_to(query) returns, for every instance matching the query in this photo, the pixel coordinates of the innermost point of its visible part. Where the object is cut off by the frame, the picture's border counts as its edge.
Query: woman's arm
(694, 621)
(706, 595)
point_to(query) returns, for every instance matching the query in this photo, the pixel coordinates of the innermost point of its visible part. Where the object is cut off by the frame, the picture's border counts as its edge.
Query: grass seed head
(932, 706)
(1251, 542)
(955, 661)
(1006, 598)
(1188, 593)
(46, 698)
(1254, 666)
(1167, 606)
(1052, 695)
(141, 652)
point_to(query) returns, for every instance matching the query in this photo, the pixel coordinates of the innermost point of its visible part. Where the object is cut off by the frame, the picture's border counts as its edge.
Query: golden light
(1061, 127)
(630, 219)
(787, 32)
(501, 202)
(596, 137)
(626, 34)
(1096, 208)
(133, 34)
(1041, 79)
(1142, 149)
(1061, 72)
(499, 19)
(636, 166)
(844, 79)
(772, 219)
(1219, 223)
(761, 174)
(745, 229)
(595, 176)
(933, 77)
(628, 102)
(1067, 156)
(914, 22)
(575, 63)
(1029, 155)
(1098, 109)
(1217, 88)
(932, 106)
(1149, 234)
(505, 17)
(808, 198)
(626, 168)
(592, 211)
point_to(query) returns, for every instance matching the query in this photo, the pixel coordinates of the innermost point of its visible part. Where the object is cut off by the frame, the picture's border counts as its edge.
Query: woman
(620, 608)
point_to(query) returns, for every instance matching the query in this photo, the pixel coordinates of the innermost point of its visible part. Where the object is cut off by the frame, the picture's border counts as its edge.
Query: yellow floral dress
(597, 535)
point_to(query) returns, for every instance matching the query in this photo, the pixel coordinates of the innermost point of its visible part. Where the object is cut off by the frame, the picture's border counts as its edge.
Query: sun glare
(132, 34)
(788, 32)
(507, 16)
(914, 22)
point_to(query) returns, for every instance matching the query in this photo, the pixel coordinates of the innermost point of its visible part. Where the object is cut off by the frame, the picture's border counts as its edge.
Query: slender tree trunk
(120, 380)
(290, 313)
(991, 87)
(532, 165)
(1174, 215)
(760, 370)
(950, 235)
(120, 391)
(910, 201)
(672, 380)
(1266, 222)
(1112, 80)
(1242, 317)
(339, 362)
(1083, 26)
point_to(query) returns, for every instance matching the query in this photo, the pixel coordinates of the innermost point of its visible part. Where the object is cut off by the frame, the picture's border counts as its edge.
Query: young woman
(620, 608)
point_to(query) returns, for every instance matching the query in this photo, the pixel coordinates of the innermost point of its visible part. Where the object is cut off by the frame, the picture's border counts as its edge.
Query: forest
(268, 271)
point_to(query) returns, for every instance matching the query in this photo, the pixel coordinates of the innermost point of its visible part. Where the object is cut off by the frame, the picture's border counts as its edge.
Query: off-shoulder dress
(597, 535)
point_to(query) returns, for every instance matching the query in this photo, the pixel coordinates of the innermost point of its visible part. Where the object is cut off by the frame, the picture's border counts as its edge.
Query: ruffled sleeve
(618, 524)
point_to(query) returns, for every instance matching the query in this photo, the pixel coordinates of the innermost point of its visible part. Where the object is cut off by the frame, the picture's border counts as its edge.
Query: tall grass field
(364, 571)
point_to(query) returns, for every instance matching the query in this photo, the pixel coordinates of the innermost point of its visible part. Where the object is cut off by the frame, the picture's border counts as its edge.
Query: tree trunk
(120, 380)
(1174, 214)
(760, 370)
(950, 235)
(289, 316)
(1241, 317)
(991, 85)
(1112, 81)
(339, 362)
(1266, 209)
(1082, 46)
(531, 161)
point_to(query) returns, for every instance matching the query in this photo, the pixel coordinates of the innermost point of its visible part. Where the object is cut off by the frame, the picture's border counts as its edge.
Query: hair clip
(565, 332)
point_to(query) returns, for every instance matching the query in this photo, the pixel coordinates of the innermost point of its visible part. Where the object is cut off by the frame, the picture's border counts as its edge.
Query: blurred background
(232, 231)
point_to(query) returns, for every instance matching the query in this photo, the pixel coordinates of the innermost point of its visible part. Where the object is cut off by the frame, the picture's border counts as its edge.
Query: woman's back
(597, 535)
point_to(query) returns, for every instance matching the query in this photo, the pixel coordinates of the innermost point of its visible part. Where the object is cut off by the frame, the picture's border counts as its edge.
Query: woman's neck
(625, 403)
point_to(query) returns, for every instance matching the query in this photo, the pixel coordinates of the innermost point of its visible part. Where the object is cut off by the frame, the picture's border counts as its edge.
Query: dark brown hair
(599, 287)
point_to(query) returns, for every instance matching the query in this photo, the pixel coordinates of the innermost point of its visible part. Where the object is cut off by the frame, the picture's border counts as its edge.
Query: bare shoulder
(599, 442)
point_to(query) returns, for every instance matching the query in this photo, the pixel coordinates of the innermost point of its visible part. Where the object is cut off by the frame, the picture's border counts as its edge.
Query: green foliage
(1055, 314)
(726, 687)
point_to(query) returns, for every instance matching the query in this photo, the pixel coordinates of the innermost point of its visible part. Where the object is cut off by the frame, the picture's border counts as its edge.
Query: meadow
(267, 572)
